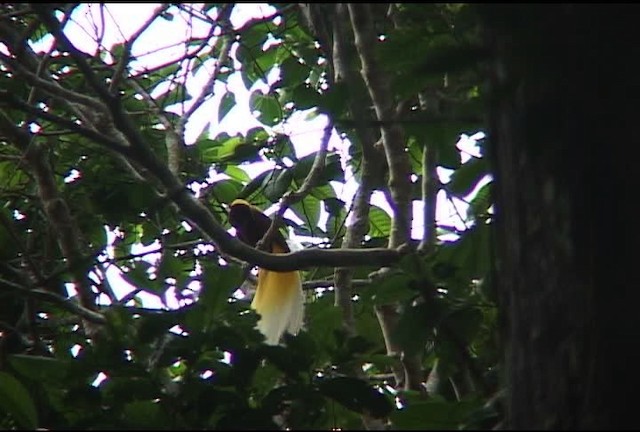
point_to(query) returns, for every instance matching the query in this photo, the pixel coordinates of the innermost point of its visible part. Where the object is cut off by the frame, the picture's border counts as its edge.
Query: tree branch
(393, 139)
(118, 74)
(430, 186)
(309, 182)
(223, 56)
(137, 150)
(8, 98)
(399, 182)
(64, 303)
(175, 138)
(55, 207)
(370, 168)
(49, 86)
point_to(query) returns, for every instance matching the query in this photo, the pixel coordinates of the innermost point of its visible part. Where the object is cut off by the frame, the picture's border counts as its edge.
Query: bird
(279, 299)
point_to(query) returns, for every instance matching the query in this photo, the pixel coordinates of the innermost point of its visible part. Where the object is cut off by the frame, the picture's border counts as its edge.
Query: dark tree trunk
(564, 125)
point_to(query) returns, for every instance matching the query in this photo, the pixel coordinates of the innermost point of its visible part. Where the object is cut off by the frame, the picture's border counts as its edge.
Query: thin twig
(8, 98)
(309, 183)
(49, 86)
(223, 56)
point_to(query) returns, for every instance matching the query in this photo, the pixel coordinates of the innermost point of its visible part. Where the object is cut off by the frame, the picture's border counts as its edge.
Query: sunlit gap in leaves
(385, 387)
(73, 175)
(100, 378)
(176, 329)
(18, 216)
(319, 292)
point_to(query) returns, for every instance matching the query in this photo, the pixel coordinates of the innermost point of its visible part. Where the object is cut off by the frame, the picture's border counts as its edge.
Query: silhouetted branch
(66, 304)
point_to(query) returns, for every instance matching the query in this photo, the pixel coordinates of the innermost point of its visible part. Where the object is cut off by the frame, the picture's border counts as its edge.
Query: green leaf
(268, 107)
(293, 72)
(138, 274)
(38, 368)
(433, 414)
(390, 289)
(227, 102)
(379, 222)
(234, 149)
(337, 215)
(309, 211)
(226, 190)
(332, 169)
(171, 266)
(357, 395)
(443, 135)
(283, 147)
(296, 358)
(247, 79)
(335, 100)
(414, 328)
(145, 414)
(255, 185)
(325, 192)
(465, 178)
(305, 97)
(417, 323)
(218, 284)
(464, 322)
(16, 401)
(448, 57)
(237, 173)
(11, 176)
(482, 200)
(267, 60)
(324, 321)
(469, 254)
(277, 184)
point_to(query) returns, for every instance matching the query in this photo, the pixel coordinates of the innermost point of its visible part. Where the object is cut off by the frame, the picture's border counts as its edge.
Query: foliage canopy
(93, 143)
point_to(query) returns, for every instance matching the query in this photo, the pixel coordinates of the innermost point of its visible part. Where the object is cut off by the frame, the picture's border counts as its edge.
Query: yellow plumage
(279, 299)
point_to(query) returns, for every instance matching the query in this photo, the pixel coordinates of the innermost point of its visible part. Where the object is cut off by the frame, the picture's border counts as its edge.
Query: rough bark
(563, 114)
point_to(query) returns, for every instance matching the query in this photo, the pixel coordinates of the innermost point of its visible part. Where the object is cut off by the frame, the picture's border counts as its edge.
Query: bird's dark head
(240, 213)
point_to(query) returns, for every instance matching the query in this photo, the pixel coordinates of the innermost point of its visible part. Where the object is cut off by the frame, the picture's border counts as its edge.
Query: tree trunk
(564, 102)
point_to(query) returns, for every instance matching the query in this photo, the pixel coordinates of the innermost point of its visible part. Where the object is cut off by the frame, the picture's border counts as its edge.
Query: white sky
(123, 19)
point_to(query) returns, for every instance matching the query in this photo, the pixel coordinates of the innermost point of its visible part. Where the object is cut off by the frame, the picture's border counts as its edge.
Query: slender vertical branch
(372, 163)
(430, 187)
(309, 182)
(393, 141)
(175, 137)
(119, 72)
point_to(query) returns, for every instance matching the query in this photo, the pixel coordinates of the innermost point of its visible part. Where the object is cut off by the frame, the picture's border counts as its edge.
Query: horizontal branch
(315, 284)
(227, 244)
(66, 304)
(198, 214)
